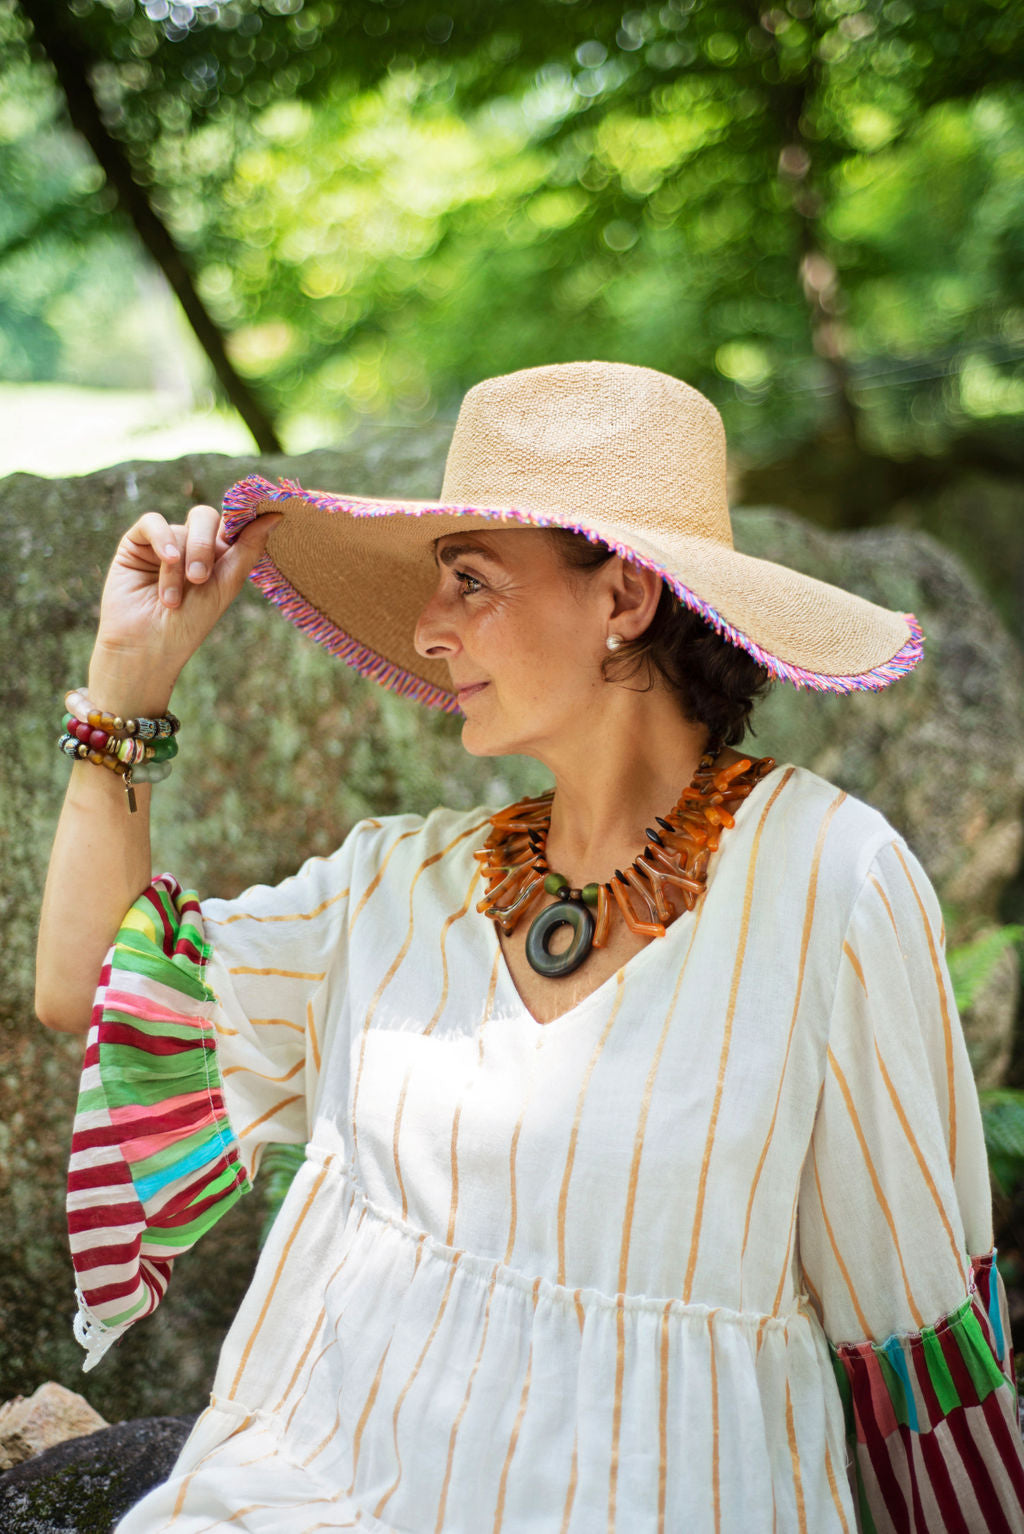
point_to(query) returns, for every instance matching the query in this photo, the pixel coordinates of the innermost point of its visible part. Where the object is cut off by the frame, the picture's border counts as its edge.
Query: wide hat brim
(354, 573)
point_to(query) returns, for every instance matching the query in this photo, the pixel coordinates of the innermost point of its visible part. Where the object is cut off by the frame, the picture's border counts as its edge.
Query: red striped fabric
(154, 1162)
(932, 1422)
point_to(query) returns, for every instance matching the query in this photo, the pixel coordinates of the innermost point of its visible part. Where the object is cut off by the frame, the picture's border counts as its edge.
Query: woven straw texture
(622, 454)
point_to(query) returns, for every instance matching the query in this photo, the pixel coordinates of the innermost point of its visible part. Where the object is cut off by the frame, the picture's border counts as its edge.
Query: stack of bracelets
(138, 750)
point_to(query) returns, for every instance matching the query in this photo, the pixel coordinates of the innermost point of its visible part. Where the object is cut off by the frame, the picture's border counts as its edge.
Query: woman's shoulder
(390, 850)
(845, 834)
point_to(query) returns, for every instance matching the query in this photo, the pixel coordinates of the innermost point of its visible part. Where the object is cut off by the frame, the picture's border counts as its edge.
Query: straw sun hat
(622, 454)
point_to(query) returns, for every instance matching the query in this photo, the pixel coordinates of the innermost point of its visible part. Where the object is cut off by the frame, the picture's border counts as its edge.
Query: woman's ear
(635, 596)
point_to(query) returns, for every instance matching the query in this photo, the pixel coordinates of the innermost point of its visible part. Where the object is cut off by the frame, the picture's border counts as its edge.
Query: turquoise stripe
(218, 1145)
(893, 1350)
(994, 1316)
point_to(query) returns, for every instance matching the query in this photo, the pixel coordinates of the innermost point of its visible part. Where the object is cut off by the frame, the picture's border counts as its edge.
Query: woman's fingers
(148, 542)
(194, 555)
(201, 527)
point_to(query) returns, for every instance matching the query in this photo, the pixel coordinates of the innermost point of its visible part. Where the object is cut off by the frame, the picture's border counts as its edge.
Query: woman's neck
(614, 776)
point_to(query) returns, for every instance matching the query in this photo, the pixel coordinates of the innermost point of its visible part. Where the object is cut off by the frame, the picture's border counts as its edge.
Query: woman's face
(522, 640)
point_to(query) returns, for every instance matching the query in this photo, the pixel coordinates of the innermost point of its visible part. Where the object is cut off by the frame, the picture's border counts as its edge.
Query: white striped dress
(654, 1266)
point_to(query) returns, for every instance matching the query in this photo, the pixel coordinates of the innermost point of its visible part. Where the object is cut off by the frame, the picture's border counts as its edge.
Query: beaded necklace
(672, 867)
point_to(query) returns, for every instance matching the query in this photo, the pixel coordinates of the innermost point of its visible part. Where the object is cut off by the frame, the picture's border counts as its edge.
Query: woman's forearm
(100, 861)
(166, 588)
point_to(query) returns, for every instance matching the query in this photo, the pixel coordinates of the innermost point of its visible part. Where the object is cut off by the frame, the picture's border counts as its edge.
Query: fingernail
(171, 596)
(170, 550)
(196, 570)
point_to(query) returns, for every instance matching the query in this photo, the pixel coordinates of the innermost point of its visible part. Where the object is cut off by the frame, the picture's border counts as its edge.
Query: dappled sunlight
(58, 429)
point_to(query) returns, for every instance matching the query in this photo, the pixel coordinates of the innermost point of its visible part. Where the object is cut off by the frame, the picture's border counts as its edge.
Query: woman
(644, 1165)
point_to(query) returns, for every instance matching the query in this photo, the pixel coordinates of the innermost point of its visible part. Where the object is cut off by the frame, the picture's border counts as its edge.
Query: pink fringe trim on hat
(242, 505)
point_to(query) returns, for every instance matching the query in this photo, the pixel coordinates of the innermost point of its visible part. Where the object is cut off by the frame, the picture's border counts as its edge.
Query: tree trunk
(53, 27)
(818, 277)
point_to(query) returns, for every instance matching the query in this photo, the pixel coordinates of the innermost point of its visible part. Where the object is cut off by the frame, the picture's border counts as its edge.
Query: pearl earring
(614, 642)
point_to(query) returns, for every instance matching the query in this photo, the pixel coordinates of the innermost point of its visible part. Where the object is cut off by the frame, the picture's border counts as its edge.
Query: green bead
(589, 893)
(163, 750)
(554, 883)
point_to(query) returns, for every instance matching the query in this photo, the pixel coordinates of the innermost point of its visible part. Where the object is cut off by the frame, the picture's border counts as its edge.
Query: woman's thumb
(248, 548)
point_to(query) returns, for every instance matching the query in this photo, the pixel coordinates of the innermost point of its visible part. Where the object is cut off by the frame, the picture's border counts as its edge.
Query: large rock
(85, 1486)
(283, 749)
(49, 1416)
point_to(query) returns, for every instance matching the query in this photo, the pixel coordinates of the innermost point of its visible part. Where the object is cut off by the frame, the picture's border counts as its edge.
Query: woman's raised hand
(166, 588)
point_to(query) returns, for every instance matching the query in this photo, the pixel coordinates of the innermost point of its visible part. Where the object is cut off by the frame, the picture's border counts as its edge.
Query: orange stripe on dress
(226, 921)
(855, 965)
(876, 1184)
(453, 1436)
(947, 1026)
(371, 1399)
(513, 1152)
(833, 1487)
(417, 1366)
(333, 1343)
(457, 1116)
(794, 1456)
(727, 1039)
(403, 1094)
(563, 1195)
(810, 904)
(894, 1098)
(716, 1486)
(282, 1260)
(645, 1107)
(396, 964)
(620, 1370)
(787, 1262)
(663, 1358)
(283, 974)
(329, 1436)
(284, 1102)
(233, 1070)
(840, 1264)
(499, 1513)
(314, 1042)
(275, 1022)
(374, 884)
(574, 1471)
(313, 1334)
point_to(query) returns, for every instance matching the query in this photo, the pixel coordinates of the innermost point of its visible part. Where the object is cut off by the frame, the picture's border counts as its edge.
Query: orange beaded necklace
(672, 866)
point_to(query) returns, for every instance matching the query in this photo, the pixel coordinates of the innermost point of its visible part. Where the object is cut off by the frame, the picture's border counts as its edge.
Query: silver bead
(614, 642)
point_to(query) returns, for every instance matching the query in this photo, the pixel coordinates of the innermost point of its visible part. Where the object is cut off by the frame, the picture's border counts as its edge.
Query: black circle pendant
(564, 913)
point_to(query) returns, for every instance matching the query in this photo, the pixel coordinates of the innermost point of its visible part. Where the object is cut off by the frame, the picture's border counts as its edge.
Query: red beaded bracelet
(138, 750)
(78, 703)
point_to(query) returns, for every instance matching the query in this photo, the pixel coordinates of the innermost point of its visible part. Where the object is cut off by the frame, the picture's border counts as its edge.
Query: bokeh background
(281, 227)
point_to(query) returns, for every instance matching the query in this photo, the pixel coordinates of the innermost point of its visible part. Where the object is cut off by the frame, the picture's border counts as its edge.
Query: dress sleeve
(206, 1043)
(895, 1232)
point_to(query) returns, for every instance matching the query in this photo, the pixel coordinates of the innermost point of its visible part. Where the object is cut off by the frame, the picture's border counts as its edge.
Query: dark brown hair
(716, 682)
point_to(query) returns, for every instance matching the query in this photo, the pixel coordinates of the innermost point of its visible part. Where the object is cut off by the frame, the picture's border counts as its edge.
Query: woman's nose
(433, 637)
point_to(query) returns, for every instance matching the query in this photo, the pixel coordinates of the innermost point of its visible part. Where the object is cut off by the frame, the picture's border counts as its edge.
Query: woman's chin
(478, 742)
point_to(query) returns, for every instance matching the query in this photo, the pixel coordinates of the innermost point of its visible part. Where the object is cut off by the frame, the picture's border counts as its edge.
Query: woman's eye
(468, 584)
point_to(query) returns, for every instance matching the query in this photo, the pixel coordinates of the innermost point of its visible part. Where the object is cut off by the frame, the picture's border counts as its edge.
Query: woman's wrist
(128, 684)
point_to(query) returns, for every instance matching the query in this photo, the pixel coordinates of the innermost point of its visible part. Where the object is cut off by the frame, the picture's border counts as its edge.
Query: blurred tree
(805, 209)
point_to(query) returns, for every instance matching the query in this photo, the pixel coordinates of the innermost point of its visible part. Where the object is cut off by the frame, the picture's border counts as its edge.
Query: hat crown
(581, 437)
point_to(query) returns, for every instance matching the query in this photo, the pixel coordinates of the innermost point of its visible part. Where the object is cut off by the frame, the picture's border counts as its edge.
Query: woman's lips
(462, 693)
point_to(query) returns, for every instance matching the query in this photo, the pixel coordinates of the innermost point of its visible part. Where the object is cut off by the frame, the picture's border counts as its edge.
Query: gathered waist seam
(488, 1269)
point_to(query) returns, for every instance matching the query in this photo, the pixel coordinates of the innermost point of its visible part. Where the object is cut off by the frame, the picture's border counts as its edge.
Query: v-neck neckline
(685, 920)
(625, 971)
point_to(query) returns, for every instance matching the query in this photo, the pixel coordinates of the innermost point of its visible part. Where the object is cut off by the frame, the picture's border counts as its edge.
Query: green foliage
(277, 1171)
(805, 212)
(1002, 1115)
(972, 964)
